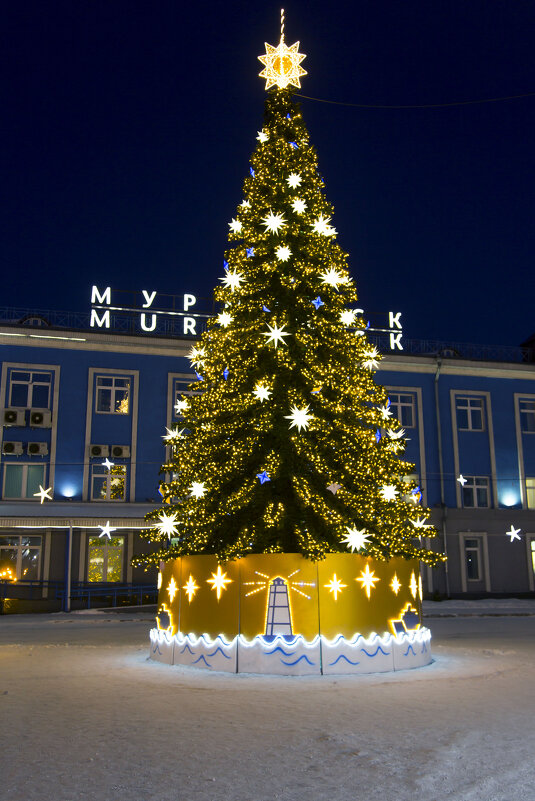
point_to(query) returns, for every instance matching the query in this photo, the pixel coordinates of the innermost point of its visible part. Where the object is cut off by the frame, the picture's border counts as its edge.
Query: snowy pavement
(85, 715)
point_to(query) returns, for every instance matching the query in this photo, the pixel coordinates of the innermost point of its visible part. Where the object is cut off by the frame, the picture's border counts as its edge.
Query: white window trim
(171, 378)
(38, 368)
(30, 383)
(134, 377)
(468, 397)
(107, 475)
(474, 487)
(18, 568)
(471, 535)
(112, 389)
(105, 543)
(522, 396)
(519, 444)
(531, 577)
(492, 452)
(417, 391)
(44, 465)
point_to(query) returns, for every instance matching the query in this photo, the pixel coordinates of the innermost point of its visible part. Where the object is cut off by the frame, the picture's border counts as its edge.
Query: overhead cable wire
(420, 106)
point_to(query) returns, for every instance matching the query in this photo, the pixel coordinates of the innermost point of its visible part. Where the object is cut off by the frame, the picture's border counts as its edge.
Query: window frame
(30, 385)
(104, 543)
(20, 548)
(25, 466)
(478, 548)
(471, 481)
(112, 388)
(529, 484)
(529, 412)
(108, 475)
(469, 399)
(403, 405)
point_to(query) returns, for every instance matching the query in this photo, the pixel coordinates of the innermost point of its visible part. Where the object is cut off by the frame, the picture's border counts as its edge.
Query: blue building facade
(83, 412)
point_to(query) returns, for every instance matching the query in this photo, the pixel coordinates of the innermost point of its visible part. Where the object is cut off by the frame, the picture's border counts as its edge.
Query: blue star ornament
(225, 265)
(263, 477)
(377, 435)
(250, 252)
(265, 309)
(317, 303)
(288, 117)
(251, 171)
(294, 145)
(199, 377)
(226, 373)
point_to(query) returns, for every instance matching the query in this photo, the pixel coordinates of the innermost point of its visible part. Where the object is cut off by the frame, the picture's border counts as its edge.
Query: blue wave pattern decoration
(202, 659)
(278, 648)
(343, 656)
(188, 648)
(385, 653)
(303, 656)
(411, 650)
(218, 650)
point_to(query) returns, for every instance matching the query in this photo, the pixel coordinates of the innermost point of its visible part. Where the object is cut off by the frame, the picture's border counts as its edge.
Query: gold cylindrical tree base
(281, 613)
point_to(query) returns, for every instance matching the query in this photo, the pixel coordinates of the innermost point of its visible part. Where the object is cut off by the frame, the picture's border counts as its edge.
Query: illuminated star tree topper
(282, 63)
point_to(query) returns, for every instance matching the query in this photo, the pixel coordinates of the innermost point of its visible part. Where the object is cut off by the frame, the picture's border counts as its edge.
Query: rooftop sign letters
(175, 315)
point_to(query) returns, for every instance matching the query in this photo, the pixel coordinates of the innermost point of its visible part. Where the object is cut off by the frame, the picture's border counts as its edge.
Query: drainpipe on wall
(441, 469)
(68, 563)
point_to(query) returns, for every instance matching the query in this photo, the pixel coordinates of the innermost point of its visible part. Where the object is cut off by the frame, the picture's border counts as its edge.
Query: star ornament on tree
(388, 492)
(370, 360)
(300, 417)
(355, 539)
(283, 253)
(294, 180)
(235, 226)
(172, 434)
(232, 280)
(321, 226)
(197, 489)
(273, 222)
(167, 525)
(282, 65)
(299, 205)
(332, 277)
(347, 317)
(261, 393)
(262, 136)
(224, 319)
(181, 405)
(275, 335)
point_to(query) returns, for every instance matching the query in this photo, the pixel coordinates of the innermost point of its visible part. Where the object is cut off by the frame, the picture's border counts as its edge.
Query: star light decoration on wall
(190, 588)
(105, 531)
(513, 534)
(335, 586)
(43, 494)
(219, 581)
(282, 64)
(368, 580)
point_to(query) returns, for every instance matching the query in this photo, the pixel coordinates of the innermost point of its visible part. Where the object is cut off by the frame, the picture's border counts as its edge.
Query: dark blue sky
(127, 128)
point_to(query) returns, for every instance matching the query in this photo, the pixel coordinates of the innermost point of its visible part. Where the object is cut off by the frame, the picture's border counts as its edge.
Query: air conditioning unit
(99, 451)
(120, 451)
(37, 448)
(14, 417)
(12, 448)
(40, 418)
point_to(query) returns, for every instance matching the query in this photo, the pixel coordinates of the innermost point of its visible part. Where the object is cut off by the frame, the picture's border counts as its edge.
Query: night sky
(127, 129)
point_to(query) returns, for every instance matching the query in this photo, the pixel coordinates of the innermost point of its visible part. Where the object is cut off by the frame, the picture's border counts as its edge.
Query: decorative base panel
(293, 655)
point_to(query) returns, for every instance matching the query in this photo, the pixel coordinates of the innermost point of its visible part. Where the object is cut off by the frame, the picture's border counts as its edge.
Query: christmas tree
(287, 443)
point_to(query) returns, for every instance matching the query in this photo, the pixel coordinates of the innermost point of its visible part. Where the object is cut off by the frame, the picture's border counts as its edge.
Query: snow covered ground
(85, 715)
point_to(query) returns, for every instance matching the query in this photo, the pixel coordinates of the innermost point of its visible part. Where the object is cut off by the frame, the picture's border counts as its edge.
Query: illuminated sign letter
(97, 297)
(395, 341)
(189, 300)
(149, 299)
(189, 325)
(393, 319)
(100, 321)
(144, 325)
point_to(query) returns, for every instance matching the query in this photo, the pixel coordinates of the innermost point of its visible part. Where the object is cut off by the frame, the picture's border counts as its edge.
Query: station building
(74, 396)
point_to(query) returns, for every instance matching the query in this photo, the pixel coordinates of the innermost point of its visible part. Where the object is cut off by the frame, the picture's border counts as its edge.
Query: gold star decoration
(368, 580)
(172, 589)
(191, 587)
(219, 581)
(282, 65)
(335, 586)
(395, 584)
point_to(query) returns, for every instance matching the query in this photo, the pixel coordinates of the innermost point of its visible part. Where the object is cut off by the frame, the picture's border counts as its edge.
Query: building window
(181, 393)
(30, 389)
(530, 493)
(20, 557)
(105, 559)
(402, 406)
(108, 485)
(527, 415)
(476, 492)
(532, 544)
(113, 395)
(472, 558)
(23, 480)
(470, 414)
